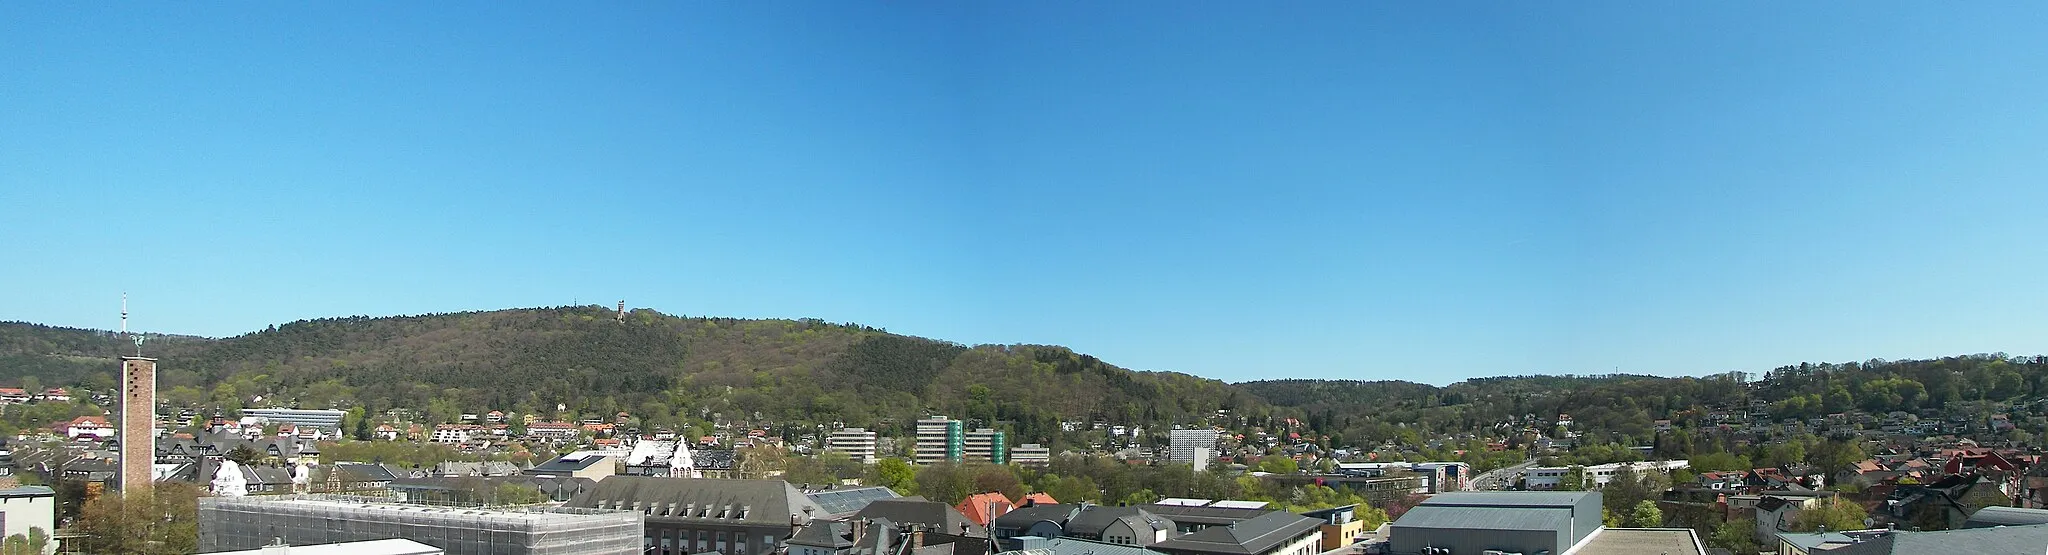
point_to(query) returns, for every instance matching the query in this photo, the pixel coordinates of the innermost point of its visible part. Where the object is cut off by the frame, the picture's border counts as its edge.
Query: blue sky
(1339, 190)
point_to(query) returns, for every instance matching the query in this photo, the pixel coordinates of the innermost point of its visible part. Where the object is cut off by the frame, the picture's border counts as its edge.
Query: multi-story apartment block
(940, 439)
(986, 445)
(1031, 454)
(1192, 446)
(858, 443)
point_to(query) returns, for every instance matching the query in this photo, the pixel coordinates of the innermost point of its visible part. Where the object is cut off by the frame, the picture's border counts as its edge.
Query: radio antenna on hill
(137, 338)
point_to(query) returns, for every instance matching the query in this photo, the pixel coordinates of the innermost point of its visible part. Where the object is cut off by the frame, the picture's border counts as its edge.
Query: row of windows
(669, 541)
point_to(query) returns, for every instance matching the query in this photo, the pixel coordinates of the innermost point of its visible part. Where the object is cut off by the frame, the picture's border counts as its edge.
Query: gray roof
(2006, 516)
(1485, 518)
(1641, 541)
(766, 502)
(28, 491)
(1256, 535)
(846, 501)
(929, 513)
(1204, 515)
(824, 533)
(1093, 519)
(1509, 498)
(1034, 545)
(564, 464)
(1024, 517)
(2007, 540)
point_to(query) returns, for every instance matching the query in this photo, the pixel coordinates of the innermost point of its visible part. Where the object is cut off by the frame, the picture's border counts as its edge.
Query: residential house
(983, 508)
(14, 395)
(552, 431)
(87, 427)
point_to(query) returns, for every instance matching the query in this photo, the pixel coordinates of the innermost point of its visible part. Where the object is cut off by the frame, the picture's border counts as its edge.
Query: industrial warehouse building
(235, 523)
(1461, 523)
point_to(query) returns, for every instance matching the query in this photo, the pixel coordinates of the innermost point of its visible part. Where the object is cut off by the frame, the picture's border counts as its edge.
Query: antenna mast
(137, 338)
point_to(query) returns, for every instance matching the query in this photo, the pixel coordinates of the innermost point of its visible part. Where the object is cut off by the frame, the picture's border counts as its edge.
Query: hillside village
(1779, 481)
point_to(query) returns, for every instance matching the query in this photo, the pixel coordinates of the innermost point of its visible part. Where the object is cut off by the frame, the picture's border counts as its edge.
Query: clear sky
(1352, 190)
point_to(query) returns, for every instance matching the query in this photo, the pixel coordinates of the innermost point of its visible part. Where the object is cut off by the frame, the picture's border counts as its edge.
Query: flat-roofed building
(1192, 446)
(858, 443)
(1507, 522)
(319, 418)
(940, 439)
(1031, 454)
(985, 445)
(234, 523)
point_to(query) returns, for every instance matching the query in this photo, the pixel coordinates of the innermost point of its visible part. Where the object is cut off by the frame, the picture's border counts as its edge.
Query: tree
(1646, 515)
(1573, 480)
(1279, 464)
(944, 482)
(159, 520)
(1737, 536)
(244, 454)
(519, 494)
(1835, 514)
(31, 384)
(895, 474)
(998, 478)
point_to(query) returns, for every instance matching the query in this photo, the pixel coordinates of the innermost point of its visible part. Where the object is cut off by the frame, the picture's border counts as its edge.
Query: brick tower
(138, 413)
(138, 422)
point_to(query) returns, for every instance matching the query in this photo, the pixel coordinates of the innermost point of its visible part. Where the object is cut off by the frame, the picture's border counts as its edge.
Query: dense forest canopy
(670, 371)
(677, 371)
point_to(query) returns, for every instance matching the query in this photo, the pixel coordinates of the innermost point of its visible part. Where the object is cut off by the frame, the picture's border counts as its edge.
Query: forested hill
(668, 370)
(681, 371)
(1624, 408)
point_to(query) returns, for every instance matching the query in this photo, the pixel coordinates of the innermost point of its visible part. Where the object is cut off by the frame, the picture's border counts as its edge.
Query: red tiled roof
(1038, 498)
(984, 507)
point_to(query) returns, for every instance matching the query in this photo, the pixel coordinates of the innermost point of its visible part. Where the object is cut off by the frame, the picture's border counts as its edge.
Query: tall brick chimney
(138, 422)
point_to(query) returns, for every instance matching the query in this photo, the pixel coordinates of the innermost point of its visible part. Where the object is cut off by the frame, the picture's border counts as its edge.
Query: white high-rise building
(986, 445)
(858, 443)
(1031, 454)
(940, 439)
(1194, 447)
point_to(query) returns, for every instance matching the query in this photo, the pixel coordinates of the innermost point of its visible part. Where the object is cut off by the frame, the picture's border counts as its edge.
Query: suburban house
(87, 427)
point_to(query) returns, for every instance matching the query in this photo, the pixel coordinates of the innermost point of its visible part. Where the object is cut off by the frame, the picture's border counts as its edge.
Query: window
(721, 542)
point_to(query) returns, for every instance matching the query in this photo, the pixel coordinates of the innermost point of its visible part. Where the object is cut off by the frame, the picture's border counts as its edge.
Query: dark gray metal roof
(764, 502)
(834, 535)
(942, 517)
(1485, 518)
(1095, 518)
(1204, 515)
(1256, 535)
(847, 501)
(2006, 540)
(2006, 516)
(1023, 517)
(1510, 498)
(1075, 546)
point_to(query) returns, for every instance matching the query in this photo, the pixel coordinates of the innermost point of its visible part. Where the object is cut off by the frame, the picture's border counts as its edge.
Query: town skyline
(1344, 192)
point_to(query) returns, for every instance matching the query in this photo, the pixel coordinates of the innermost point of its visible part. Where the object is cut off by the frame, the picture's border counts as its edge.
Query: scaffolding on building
(230, 523)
